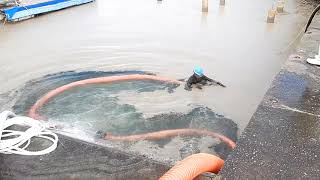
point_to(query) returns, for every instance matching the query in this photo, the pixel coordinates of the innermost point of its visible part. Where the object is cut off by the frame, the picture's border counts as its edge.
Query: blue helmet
(198, 71)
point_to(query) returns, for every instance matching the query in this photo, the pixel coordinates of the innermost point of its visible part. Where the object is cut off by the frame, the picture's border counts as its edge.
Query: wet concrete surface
(75, 159)
(282, 140)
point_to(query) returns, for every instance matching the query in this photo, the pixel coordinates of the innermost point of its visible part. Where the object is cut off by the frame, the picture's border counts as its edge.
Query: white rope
(16, 142)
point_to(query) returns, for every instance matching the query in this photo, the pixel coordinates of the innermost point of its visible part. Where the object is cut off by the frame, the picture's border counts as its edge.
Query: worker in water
(199, 79)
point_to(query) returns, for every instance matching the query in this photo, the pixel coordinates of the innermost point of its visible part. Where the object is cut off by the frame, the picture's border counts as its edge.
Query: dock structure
(26, 10)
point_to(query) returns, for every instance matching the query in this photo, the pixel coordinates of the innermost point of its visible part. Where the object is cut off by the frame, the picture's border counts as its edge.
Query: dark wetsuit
(203, 80)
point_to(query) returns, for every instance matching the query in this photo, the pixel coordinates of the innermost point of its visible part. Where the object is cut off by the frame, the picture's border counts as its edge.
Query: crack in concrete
(297, 110)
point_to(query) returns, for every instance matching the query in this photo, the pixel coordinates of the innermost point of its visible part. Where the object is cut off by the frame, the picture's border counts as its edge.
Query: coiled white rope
(16, 142)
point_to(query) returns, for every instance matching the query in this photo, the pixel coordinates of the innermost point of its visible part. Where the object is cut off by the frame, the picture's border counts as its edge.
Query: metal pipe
(280, 6)
(222, 2)
(271, 16)
(205, 6)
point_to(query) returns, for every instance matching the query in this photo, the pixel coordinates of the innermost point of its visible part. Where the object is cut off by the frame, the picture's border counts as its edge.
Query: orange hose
(192, 166)
(33, 111)
(148, 136)
(171, 133)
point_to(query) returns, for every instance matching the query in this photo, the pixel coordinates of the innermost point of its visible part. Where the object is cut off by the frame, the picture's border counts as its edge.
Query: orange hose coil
(33, 111)
(171, 133)
(110, 79)
(187, 169)
(194, 165)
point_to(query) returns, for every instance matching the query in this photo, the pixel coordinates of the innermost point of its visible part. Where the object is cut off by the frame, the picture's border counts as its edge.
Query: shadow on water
(96, 109)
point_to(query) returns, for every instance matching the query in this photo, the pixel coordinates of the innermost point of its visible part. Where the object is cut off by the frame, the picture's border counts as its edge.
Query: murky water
(233, 43)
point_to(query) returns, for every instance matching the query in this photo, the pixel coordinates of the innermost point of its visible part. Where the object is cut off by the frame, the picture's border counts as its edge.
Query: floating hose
(187, 169)
(16, 142)
(101, 80)
(148, 136)
(171, 133)
(194, 165)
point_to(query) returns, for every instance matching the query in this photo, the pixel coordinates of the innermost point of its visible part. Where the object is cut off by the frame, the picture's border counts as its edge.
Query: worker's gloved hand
(170, 90)
(220, 84)
(182, 80)
(151, 74)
